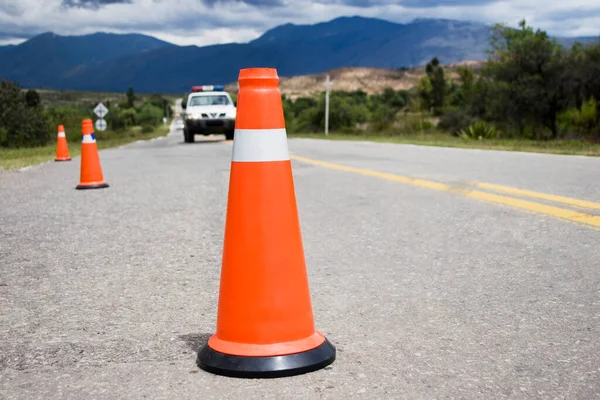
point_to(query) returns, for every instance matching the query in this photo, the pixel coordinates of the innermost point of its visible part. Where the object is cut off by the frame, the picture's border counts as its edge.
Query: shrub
(128, 117)
(115, 121)
(308, 120)
(394, 99)
(3, 135)
(160, 102)
(302, 104)
(70, 116)
(410, 123)
(578, 121)
(421, 125)
(382, 118)
(149, 115)
(454, 121)
(479, 130)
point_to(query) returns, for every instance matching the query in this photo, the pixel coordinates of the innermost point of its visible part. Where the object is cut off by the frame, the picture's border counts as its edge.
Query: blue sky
(203, 22)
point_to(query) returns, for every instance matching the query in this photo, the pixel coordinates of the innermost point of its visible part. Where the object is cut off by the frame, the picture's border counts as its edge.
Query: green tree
(424, 89)
(437, 79)
(22, 126)
(573, 83)
(527, 69)
(130, 98)
(465, 91)
(32, 98)
(590, 75)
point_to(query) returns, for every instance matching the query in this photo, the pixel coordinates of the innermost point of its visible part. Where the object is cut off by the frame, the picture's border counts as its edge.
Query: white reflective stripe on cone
(260, 145)
(88, 139)
(61, 134)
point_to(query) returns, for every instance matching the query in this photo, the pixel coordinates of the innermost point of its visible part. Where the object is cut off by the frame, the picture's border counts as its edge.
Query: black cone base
(62, 159)
(100, 186)
(266, 367)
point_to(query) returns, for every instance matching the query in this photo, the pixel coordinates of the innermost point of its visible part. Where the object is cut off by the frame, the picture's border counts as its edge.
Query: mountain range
(115, 62)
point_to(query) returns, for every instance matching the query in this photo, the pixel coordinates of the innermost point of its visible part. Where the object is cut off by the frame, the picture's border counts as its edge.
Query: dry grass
(68, 97)
(11, 159)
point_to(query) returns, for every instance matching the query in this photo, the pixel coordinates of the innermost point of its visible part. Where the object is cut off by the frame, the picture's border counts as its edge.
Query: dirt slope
(370, 80)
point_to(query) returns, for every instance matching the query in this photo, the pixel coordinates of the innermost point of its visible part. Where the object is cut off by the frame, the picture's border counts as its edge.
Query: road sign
(101, 110)
(101, 125)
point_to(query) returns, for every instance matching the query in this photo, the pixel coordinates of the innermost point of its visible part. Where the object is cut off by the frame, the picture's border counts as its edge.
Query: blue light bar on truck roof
(208, 88)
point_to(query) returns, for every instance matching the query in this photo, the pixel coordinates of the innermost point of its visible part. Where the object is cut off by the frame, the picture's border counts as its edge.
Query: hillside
(6, 48)
(369, 80)
(103, 62)
(47, 60)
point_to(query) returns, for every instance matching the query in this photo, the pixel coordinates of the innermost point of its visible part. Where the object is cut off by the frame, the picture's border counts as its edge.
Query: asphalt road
(430, 283)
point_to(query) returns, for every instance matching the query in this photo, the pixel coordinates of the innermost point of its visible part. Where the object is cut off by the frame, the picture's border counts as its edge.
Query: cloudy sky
(203, 22)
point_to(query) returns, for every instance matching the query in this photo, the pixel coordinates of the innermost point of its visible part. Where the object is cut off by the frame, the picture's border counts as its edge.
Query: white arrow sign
(101, 125)
(101, 110)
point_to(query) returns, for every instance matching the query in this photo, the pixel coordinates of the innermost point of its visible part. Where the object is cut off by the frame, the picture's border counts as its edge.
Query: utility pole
(328, 84)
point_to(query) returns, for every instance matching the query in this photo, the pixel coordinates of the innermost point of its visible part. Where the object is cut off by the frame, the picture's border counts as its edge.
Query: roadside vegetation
(531, 94)
(14, 158)
(29, 122)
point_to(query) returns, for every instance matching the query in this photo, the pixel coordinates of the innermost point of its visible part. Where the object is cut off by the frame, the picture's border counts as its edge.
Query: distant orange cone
(62, 149)
(91, 171)
(265, 324)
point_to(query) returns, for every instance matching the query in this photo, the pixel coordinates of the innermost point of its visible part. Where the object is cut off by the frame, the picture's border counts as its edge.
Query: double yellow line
(470, 191)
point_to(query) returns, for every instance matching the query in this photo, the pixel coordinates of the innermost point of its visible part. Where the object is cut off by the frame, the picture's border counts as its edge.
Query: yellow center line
(536, 195)
(561, 213)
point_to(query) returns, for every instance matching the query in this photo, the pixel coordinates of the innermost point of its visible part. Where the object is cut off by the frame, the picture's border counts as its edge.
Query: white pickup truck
(208, 110)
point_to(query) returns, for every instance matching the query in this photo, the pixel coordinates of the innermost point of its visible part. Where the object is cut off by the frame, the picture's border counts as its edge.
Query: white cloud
(189, 22)
(6, 42)
(204, 38)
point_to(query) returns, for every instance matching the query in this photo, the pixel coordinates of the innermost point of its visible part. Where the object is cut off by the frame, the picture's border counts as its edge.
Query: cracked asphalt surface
(107, 294)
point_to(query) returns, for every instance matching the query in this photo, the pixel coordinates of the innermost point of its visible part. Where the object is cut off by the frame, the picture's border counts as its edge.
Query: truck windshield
(216, 100)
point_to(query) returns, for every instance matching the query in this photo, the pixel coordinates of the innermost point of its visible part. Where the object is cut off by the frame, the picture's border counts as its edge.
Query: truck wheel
(229, 135)
(188, 136)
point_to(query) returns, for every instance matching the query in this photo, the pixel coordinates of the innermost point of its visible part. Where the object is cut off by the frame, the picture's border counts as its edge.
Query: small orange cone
(265, 324)
(62, 149)
(91, 171)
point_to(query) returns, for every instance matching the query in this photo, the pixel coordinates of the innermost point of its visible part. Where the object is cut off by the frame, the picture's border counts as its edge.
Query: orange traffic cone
(62, 149)
(265, 324)
(91, 171)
